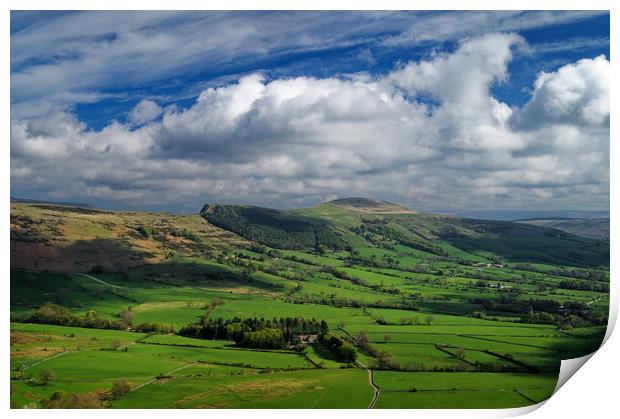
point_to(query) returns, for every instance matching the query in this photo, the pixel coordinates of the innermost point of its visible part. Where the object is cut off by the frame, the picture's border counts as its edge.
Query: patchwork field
(297, 312)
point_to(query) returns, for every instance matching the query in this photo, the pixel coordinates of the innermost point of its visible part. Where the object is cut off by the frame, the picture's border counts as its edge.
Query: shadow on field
(202, 272)
(112, 255)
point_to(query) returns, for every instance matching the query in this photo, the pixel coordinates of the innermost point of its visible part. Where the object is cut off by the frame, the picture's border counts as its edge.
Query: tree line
(256, 332)
(57, 315)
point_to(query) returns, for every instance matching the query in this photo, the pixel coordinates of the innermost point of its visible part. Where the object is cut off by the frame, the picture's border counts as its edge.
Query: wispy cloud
(56, 55)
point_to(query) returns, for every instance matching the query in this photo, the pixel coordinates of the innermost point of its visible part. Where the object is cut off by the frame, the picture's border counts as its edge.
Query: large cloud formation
(428, 134)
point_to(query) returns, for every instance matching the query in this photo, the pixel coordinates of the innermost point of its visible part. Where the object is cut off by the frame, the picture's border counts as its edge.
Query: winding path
(375, 388)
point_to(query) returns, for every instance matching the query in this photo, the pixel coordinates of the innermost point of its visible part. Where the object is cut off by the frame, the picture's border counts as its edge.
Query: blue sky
(133, 79)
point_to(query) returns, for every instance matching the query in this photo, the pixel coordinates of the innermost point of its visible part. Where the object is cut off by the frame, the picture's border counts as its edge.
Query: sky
(432, 110)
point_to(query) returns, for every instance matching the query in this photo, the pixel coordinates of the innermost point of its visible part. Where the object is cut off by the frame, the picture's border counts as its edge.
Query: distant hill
(595, 228)
(370, 206)
(75, 239)
(518, 215)
(61, 203)
(351, 222)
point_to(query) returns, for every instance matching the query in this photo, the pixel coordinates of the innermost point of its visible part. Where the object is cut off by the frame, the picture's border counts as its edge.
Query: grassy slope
(466, 238)
(68, 239)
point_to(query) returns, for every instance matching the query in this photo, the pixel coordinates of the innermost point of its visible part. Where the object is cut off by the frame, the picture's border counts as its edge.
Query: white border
(590, 394)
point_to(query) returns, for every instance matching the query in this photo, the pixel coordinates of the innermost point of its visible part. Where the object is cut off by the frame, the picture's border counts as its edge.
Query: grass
(205, 386)
(460, 390)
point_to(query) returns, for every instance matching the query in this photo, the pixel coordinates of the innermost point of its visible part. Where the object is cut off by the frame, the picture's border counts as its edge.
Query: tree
(127, 316)
(429, 320)
(120, 388)
(342, 350)
(47, 376)
(384, 361)
(116, 344)
(387, 338)
(213, 304)
(362, 339)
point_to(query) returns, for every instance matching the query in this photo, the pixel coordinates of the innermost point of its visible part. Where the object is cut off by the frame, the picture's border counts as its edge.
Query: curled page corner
(568, 368)
(520, 411)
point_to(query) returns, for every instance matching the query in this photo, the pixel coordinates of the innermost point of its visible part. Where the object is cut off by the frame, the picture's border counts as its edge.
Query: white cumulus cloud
(145, 111)
(427, 134)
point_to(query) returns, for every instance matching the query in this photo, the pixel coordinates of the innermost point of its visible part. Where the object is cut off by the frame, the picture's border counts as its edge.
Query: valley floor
(443, 326)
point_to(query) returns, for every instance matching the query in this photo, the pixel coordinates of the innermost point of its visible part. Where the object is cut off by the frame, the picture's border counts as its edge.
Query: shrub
(73, 401)
(119, 389)
(343, 351)
(47, 376)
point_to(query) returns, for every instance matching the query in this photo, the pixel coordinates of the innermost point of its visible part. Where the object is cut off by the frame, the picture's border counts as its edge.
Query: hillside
(275, 228)
(594, 228)
(75, 239)
(341, 224)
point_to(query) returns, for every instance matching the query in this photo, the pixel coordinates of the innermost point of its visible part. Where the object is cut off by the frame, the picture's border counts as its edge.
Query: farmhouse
(309, 339)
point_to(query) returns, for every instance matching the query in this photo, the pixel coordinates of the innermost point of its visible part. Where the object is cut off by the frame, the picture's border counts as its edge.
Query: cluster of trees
(44, 378)
(154, 327)
(55, 314)
(428, 320)
(588, 275)
(565, 321)
(343, 351)
(573, 284)
(510, 304)
(334, 301)
(569, 314)
(256, 332)
(585, 274)
(383, 360)
(274, 228)
(268, 338)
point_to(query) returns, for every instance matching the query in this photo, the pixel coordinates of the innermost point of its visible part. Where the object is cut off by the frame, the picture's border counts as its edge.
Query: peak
(370, 206)
(357, 201)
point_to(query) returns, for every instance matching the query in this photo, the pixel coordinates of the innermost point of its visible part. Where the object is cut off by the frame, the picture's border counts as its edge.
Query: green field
(446, 312)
